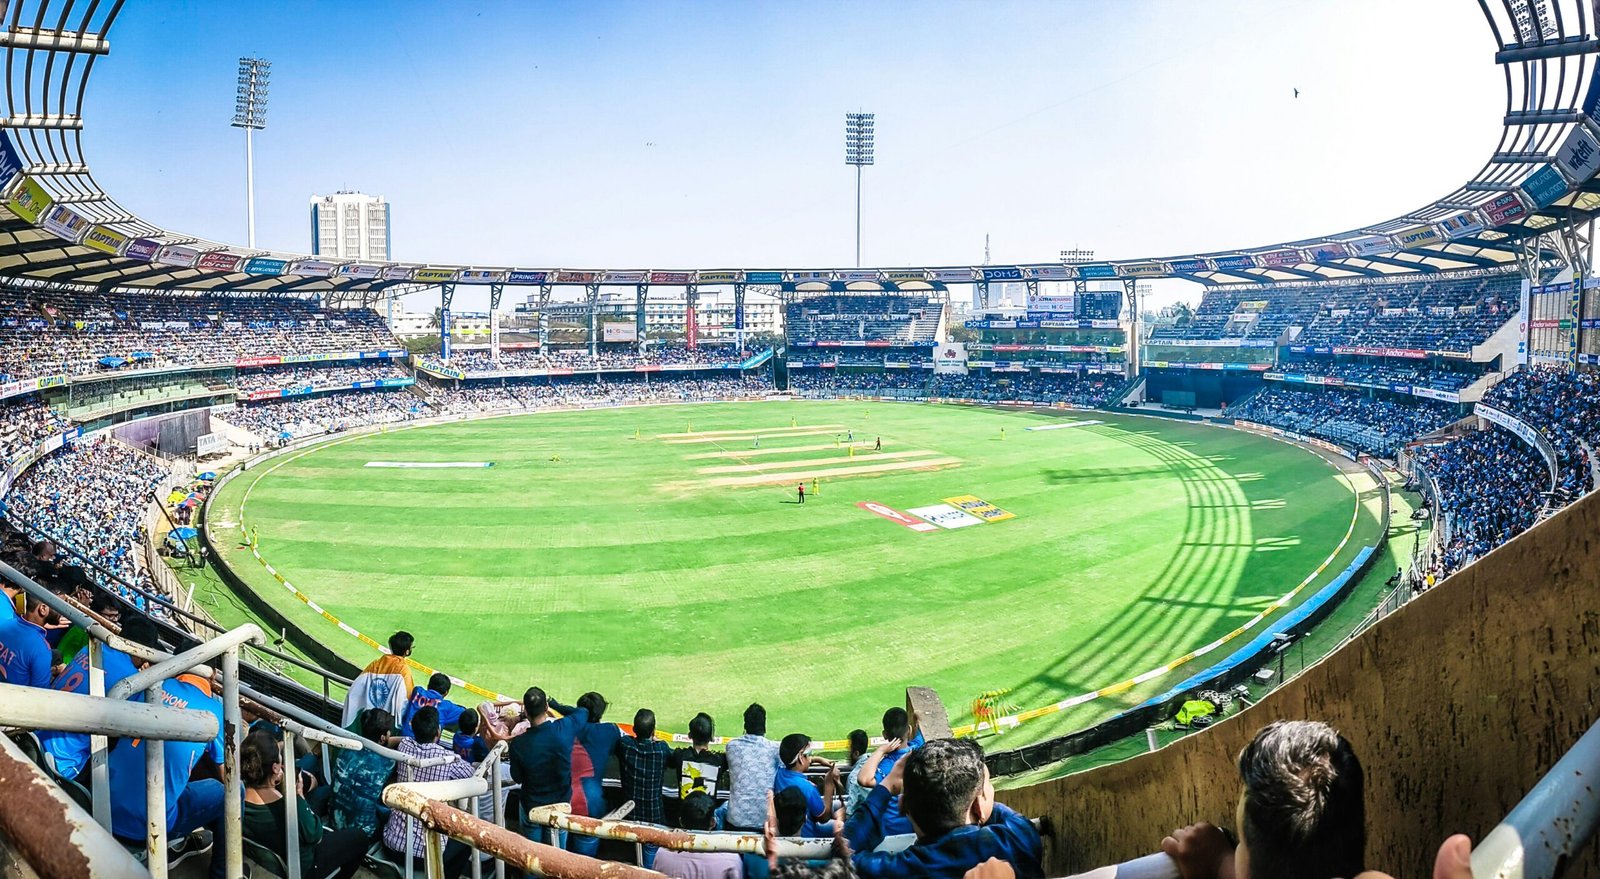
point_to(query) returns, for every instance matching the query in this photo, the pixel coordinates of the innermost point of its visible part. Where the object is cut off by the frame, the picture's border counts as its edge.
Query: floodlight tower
(250, 113)
(858, 141)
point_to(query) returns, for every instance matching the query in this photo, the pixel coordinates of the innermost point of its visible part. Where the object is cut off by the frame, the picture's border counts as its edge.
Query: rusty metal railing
(560, 817)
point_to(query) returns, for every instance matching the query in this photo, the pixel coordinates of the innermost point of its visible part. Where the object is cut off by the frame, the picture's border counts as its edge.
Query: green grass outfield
(588, 559)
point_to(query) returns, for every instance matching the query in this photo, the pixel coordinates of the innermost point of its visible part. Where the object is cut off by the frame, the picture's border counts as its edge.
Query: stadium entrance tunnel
(1456, 705)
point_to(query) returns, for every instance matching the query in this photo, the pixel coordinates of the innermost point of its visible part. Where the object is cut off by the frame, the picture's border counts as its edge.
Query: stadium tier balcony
(892, 320)
(1491, 486)
(331, 376)
(1442, 376)
(1565, 408)
(581, 359)
(49, 333)
(1347, 417)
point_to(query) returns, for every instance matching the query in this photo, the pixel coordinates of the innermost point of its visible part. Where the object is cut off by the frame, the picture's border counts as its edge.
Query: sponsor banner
(1503, 209)
(1278, 258)
(1461, 225)
(312, 268)
(434, 276)
(486, 276)
(396, 273)
(218, 261)
(978, 507)
(263, 265)
(1579, 156)
(809, 277)
(256, 361)
(1067, 304)
(1096, 271)
(573, 277)
(848, 275)
(1417, 236)
(718, 276)
(896, 516)
(1052, 273)
(950, 358)
(142, 249)
(959, 275)
(905, 276)
(1370, 245)
(945, 516)
(1188, 266)
(1231, 263)
(623, 277)
(1432, 394)
(10, 161)
(1501, 419)
(1002, 273)
(764, 277)
(261, 395)
(357, 270)
(522, 277)
(1141, 269)
(1544, 186)
(664, 277)
(105, 240)
(619, 332)
(1327, 252)
(64, 222)
(1411, 353)
(29, 201)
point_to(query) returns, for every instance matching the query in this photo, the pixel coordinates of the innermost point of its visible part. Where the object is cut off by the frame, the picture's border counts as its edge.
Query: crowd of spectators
(23, 425)
(896, 320)
(1080, 389)
(291, 418)
(52, 333)
(1563, 406)
(580, 359)
(1358, 419)
(541, 393)
(331, 376)
(91, 496)
(1440, 376)
(1491, 488)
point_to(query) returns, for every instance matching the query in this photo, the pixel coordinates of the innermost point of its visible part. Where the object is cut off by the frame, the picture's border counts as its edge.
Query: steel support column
(447, 297)
(738, 315)
(691, 316)
(1130, 291)
(594, 305)
(641, 298)
(983, 293)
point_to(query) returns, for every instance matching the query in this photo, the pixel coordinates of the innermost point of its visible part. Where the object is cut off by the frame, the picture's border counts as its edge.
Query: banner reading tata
(1503, 209)
(950, 358)
(1544, 186)
(1002, 273)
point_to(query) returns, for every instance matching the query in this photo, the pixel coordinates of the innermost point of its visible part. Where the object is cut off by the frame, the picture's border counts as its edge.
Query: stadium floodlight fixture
(1077, 256)
(250, 113)
(858, 144)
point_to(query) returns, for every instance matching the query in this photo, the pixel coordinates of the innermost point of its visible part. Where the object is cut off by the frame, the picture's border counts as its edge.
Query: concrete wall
(1456, 705)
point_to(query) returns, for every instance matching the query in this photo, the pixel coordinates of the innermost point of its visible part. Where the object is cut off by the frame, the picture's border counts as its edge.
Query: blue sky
(708, 134)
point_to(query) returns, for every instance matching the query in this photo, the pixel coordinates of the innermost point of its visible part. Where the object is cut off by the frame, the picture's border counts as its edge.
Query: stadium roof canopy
(1525, 206)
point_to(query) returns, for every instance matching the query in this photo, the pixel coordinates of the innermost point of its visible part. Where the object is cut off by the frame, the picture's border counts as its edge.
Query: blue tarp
(112, 361)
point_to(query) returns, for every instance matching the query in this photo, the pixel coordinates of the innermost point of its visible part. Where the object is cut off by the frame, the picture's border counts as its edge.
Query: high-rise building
(350, 225)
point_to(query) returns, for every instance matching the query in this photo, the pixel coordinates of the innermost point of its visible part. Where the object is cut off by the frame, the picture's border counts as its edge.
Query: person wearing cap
(794, 757)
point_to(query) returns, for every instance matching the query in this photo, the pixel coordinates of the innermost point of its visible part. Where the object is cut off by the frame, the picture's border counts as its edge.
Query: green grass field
(586, 558)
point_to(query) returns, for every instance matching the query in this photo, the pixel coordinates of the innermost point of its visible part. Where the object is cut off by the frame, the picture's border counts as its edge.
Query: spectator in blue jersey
(541, 758)
(950, 801)
(900, 737)
(433, 694)
(590, 751)
(190, 804)
(359, 778)
(752, 763)
(794, 753)
(24, 647)
(467, 744)
(69, 752)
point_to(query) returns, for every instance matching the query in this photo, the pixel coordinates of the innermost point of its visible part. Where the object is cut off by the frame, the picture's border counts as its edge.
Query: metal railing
(1556, 818)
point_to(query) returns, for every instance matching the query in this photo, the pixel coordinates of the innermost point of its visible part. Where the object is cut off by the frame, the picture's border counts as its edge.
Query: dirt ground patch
(808, 462)
(779, 478)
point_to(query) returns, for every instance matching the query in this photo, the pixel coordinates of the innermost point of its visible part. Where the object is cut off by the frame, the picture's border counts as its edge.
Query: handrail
(534, 858)
(560, 817)
(182, 662)
(37, 708)
(28, 820)
(311, 721)
(1551, 823)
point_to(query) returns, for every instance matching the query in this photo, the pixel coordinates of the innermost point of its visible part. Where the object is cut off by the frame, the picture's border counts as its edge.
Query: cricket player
(800, 492)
